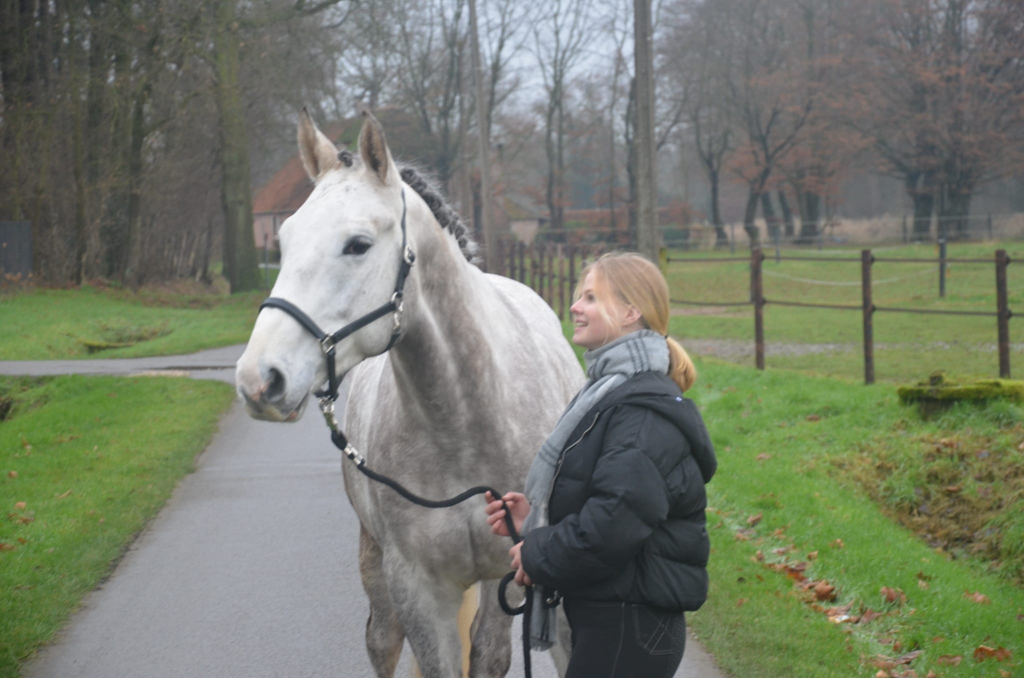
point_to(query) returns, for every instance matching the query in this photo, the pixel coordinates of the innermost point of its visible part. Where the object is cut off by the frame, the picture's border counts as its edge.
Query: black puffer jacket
(627, 506)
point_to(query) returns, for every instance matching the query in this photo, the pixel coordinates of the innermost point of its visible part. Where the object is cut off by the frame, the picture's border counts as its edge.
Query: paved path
(249, 571)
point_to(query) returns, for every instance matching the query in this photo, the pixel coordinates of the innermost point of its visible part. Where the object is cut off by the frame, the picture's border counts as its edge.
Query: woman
(613, 515)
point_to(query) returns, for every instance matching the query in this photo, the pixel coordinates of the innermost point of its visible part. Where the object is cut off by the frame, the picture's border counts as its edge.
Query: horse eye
(356, 247)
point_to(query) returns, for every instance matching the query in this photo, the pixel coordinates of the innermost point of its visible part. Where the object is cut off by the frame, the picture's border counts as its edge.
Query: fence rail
(550, 270)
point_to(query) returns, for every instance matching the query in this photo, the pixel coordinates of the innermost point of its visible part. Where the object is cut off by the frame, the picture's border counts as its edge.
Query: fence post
(511, 259)
(869, 310)
(561, 282)
(732, 238)
(757, 294)
(572, 272)
(778, 254)
(942, 267)
(522, 262)
(990, 226)
(266, 262)
(533, 267)
(904, 228)
(1002, 261)
(551, 276)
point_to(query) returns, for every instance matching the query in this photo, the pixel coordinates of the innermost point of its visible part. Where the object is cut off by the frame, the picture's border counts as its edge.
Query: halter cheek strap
(329, 341)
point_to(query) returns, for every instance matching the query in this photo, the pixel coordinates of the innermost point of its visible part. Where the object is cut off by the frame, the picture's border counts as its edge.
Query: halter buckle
(327, 345)
(409, 255)
(398, 301)
(327, 408)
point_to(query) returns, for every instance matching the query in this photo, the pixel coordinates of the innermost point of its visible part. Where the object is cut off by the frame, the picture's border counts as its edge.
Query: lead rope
(526, 609)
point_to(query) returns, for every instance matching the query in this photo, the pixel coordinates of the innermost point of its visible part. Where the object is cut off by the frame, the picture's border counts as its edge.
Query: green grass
(86, 463)
(44, 324)
(787, 446)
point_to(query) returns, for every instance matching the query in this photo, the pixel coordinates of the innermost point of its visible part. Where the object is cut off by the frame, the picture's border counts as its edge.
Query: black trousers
(624, 640)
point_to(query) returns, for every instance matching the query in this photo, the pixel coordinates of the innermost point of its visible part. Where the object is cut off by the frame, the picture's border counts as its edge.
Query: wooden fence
(867, 308)
(550, 270)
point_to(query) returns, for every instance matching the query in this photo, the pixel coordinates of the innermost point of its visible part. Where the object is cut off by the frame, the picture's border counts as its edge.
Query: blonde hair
(637, 282)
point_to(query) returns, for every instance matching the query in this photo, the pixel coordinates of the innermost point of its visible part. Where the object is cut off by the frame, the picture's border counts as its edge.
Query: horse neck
(444, 363)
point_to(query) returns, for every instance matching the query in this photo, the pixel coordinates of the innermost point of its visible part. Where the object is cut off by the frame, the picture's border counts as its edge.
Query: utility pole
(491, 253)
(647, 234)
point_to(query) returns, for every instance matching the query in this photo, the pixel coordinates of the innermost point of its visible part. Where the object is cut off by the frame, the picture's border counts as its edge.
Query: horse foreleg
(491, 655)
(384, 635)
(427, 611)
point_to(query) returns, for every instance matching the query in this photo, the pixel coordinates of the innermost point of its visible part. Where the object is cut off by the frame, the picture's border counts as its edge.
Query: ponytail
(680, 369)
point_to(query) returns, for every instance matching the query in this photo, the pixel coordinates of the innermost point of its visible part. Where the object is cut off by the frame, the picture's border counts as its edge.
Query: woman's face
(592, 329)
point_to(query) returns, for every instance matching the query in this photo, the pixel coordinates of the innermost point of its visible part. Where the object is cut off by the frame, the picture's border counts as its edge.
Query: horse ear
(373, 148)
(318, 153)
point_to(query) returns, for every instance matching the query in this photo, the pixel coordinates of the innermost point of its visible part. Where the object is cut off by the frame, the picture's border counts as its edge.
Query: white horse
(476, 380)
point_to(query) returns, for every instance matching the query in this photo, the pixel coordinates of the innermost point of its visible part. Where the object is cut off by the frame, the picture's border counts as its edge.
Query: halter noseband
(329, 341)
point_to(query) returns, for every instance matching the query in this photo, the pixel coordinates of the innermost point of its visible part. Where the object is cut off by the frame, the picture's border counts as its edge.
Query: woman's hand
(522, 578)
(517, 506)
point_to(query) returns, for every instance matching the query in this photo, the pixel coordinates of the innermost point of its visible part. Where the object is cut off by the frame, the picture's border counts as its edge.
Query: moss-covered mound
(939, 392)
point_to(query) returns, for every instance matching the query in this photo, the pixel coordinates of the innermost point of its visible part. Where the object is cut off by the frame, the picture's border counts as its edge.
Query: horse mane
(442, 210)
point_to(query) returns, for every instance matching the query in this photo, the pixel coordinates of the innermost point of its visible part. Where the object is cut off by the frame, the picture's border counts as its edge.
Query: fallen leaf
(813, 555)
(25, 444)
(893, 595)
(12, 474)
(983, 652)
(754, 519)
(813, 417)
(838, 544)
(764, 456)
(20, 505)
(938, 639)
(824, 591)
(909, 657)
(4, 546)
(976, 597)
(953, 489)
(950, 660)
(870, 615)
(922, 584)
(740, 602)
(759, 556)
(65, 495)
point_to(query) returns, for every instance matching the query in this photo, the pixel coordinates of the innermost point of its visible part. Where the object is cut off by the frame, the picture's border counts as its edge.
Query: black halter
(329, 341)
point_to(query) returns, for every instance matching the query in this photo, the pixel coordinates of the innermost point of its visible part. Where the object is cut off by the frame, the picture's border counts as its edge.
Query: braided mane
(443, 212)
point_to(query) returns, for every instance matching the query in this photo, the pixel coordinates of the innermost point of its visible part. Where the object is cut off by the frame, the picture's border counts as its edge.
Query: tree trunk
(130, 267)
(770, 220)
(955, 224)
(721, 237)
(749, 212)
(920, 186)
(240, 265)
(647, 191)
(787, 214)
(810, 216)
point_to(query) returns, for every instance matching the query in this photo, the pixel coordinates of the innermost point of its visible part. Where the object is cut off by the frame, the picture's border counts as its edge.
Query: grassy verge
(793, 523)
(86, 463)
(43, 324)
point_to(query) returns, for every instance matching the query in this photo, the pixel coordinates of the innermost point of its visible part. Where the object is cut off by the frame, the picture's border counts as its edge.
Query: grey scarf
(607, 367)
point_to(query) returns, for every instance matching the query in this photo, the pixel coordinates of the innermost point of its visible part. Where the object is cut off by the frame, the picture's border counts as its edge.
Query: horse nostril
(275, 387)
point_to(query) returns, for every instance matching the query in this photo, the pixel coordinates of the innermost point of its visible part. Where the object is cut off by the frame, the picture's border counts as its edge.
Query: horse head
(341, 253)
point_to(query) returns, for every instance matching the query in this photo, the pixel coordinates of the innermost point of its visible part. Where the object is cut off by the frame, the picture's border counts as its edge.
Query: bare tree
(560, 37)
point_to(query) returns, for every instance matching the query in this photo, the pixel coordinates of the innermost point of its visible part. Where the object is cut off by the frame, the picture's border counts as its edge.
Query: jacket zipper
(561, 459)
